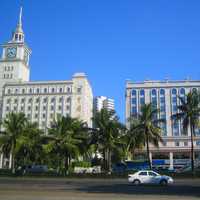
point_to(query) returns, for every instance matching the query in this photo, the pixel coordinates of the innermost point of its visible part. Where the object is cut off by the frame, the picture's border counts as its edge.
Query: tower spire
(18, 35)
(20, 18)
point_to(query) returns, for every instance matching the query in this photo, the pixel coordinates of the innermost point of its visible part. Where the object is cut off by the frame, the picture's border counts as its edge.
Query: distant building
(164, 95)
(103, 102)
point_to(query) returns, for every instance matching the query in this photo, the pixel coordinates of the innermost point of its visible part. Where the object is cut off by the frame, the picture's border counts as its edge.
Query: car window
(152, 174)
(143, 174)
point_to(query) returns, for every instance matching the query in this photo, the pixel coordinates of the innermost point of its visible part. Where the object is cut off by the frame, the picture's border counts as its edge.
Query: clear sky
(109, 40)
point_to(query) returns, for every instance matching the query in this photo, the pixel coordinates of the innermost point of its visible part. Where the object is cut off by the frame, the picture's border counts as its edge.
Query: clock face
(11, 52)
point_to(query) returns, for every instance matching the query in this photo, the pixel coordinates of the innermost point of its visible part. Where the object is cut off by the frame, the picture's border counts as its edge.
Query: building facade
(103, 102)
(41, 101)
(164, 95)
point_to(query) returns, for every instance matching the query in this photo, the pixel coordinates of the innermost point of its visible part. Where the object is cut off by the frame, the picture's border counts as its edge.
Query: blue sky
(109, 40)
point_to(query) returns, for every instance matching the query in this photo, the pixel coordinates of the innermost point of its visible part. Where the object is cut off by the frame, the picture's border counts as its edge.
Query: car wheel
(136, 182)
(163, 182)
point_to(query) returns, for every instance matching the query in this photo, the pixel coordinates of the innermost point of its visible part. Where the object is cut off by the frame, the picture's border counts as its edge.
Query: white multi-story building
(103, 102)
(41, 101)
(164, 95)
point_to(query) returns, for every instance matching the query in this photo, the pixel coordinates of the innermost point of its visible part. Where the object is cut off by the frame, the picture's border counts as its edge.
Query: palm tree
(29, 145)
(65, 140)
(149, 127)
(13, 126)
(132, 138)
(106, 134)
(189, 112)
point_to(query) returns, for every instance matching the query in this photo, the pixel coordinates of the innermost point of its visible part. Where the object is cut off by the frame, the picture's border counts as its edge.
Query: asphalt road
(95, 189)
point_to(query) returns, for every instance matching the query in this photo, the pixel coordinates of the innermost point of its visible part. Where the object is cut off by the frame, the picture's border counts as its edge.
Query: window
(15, 108)
(7, 108)
(141, 92)
(28, 116)
(177, 144)
(134, 92)
(52, 107)
(134, 101)
(22, 108)
(9, 91)
(37, 100)
(134, 110)
(164, 143)
(22, 100)
(52, 100)
(29, 108)
(51, 115)
(152, 174)
(68, 107)
(142, 101)
(182, 91)
(143, 174)
(38, 90)
(16, 91)
(174, 91)
(60, 90)
(36, 108)
(153, 92)
(174, 100)
(59, 107)
(30, 100)
(52, 90)
(79, 89)
(68, 99)
(8, 100)
(15, 101)
(23, 91)
(198, 143)
(185, 144)
(36, 115)
(43, 115)
(45, 90)
(30, 90)
(162, 100)
(44, 100)
(162, 92)
(194, 89)
(60, 99)
(68, 89)
(44, 107)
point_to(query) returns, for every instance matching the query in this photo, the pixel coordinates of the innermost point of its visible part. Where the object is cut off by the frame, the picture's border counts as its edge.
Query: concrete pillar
(150, 155)
(171, 161)
(10, 161)
(1, 160)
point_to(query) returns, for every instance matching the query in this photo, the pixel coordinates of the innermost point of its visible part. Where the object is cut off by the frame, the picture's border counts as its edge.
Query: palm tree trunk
(148, 153)
(192, 148)
(109, 161)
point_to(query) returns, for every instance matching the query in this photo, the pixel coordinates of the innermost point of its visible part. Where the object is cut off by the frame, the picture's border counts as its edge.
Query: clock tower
(14, 62)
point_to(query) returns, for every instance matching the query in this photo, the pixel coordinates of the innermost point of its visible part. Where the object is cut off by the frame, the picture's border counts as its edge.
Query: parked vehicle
(149, 177)
(35, 169)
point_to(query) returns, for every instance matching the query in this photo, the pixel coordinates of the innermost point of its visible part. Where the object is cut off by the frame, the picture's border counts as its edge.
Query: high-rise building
(103, 102)
(164, 95)
(41, 101)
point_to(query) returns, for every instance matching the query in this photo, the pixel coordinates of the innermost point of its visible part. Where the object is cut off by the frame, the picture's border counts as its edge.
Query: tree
(189, 112)
(148, 127)
(132, 138)
(106, 134)
(29, 145)
(66, 137)
(13, 126)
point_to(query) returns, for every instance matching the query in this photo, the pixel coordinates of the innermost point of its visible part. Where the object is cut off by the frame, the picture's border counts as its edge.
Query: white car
(149, 177)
